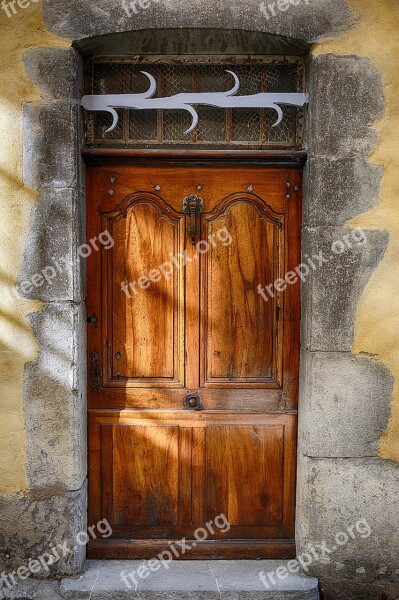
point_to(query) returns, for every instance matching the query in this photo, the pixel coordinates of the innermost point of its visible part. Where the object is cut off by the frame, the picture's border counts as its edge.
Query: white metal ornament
(110, 102)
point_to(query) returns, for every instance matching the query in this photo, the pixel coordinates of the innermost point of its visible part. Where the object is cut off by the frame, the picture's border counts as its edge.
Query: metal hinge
(95, 373)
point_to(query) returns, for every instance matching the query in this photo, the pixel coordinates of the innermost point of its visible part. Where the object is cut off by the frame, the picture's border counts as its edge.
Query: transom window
(217, 127)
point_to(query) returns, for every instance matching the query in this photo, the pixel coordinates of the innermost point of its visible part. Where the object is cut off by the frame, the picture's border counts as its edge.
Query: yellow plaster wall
(17, 344)
(376, 36)
(377, 326)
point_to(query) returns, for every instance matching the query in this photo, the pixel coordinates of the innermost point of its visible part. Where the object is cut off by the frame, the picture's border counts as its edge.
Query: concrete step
(187, 580)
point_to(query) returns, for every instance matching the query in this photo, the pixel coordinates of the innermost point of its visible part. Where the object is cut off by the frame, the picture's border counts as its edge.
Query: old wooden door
(193, 373)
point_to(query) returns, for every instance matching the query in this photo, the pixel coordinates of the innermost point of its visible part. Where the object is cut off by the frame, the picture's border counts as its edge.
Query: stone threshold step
(186, 580)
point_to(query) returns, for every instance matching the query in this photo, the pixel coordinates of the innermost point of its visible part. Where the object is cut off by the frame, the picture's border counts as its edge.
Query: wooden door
(169, 317)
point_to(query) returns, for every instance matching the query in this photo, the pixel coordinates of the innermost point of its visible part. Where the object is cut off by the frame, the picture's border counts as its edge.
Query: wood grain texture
(142, 239)
(244, 474)
(146, 492)
(240, 329)
(145, 319)
(157, 471)
(197, 467)
(214, 550)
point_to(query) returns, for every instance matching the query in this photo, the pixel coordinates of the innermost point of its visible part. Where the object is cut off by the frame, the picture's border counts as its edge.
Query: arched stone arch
(299, 19)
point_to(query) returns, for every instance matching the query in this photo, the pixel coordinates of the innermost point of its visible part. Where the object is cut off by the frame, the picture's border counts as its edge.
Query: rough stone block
(51, 148)
(32, 590)
(358, 498)
(58, 72)
(305, 20)
(52, 267)
(345, 404)
(33, 523)
(346, 97)
(55, 399)
(332, 291)
(338, 189)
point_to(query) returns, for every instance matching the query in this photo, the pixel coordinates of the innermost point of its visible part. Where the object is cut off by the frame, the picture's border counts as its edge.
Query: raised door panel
(244, 474)
(241, 335)
(144, 316)
(141, 474)
(160, 475)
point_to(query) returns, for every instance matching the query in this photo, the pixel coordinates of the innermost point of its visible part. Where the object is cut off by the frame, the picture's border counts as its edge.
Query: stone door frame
(340, 183)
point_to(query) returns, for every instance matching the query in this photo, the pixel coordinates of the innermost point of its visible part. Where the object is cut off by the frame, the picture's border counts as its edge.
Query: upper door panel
(144, 321)
(241, 334)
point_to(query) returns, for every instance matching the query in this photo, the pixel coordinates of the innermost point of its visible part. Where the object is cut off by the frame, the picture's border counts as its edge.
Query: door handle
(193, 402)
(193, 205)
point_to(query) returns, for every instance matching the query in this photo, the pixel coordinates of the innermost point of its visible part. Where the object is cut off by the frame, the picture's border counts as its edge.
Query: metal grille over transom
(217, 127)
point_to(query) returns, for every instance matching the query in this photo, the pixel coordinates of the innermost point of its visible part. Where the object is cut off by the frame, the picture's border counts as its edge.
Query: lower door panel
(223, 481)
